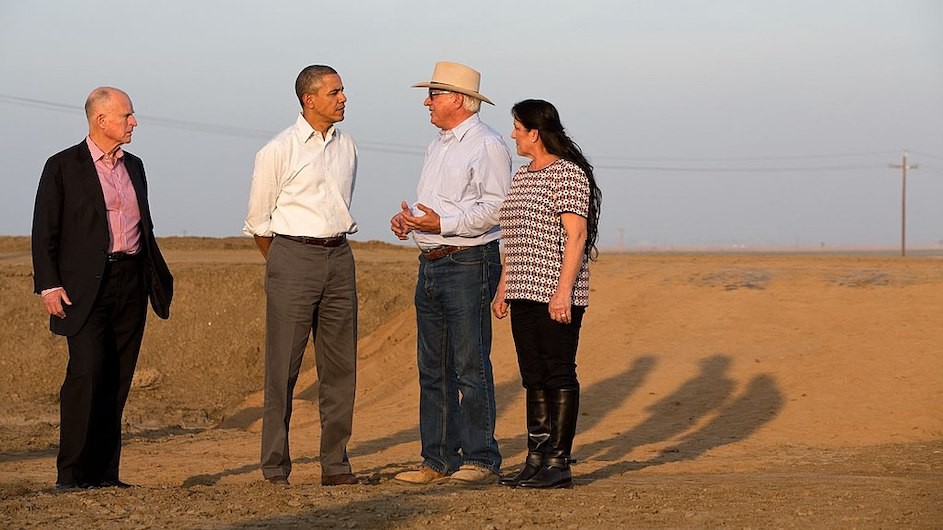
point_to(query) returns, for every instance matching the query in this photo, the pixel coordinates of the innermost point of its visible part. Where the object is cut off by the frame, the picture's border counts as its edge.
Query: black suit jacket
(70, 237)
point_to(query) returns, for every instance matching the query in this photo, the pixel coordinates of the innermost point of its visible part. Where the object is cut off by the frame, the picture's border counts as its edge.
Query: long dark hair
(543, 116)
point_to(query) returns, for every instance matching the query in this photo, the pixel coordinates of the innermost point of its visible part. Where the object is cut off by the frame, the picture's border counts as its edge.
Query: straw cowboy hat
(455, 77)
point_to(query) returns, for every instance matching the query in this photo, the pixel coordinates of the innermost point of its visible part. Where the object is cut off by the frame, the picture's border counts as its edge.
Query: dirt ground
(736, 390)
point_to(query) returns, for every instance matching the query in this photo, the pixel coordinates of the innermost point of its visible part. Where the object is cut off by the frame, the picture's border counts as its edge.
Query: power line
(927, 155)
(743, 159)
(212, 128)
(366, 146)
(739, 169)
(414, 150)
(28, 102)
(389, 147)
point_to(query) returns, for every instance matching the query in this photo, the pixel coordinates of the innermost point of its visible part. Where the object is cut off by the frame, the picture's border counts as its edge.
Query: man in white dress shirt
(299, 215)
(465, 177)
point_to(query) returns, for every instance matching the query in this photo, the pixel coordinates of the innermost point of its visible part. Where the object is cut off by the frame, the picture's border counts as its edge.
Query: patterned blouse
(534, 239)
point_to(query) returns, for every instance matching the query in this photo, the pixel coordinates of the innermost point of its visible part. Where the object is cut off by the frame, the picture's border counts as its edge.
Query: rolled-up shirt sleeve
(263, 193)
(490, 180)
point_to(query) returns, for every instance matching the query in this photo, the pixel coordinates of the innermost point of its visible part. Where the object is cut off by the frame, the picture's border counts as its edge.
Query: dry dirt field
(719, 390)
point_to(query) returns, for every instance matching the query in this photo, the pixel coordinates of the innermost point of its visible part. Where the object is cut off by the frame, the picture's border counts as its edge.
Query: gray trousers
(309, 289)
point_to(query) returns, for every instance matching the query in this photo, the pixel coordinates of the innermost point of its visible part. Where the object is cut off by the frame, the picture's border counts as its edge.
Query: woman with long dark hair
(549, 223)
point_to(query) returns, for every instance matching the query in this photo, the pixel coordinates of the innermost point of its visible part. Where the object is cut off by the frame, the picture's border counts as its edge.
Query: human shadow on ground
(735, 419)
(32, 454)
(209, 479)
(504, 395)
(52, 448)
(710, 392)
(242, 419)
(596, 400)
(669, 416)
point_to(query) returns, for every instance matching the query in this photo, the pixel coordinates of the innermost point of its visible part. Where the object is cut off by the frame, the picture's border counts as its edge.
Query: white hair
(470, 103)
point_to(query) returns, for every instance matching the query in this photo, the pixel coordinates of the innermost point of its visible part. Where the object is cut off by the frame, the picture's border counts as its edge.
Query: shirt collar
(306, 131)
(460, 130)
(96, 151)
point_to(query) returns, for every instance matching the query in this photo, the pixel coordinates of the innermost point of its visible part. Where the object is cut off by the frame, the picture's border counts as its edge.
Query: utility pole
(903, 166)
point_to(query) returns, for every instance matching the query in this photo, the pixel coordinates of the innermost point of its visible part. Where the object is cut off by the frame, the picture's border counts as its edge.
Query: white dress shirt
(465, 177)
(303, 183)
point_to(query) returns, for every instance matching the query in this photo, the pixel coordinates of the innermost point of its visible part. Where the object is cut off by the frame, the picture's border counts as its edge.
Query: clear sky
(754, 122)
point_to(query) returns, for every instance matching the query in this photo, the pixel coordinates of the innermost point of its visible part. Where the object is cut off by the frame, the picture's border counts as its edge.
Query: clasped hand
(405, 222)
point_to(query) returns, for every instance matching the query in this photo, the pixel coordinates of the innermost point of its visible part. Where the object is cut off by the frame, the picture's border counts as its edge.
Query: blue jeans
(456, 399)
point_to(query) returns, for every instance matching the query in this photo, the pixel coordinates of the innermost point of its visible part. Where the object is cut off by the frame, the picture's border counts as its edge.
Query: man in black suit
(96, 263)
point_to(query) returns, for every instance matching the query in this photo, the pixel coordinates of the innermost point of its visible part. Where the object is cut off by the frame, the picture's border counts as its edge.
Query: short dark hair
(310, 78)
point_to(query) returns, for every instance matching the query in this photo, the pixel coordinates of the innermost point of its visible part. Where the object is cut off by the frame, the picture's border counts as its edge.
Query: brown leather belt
(441, 252)
(319, 241)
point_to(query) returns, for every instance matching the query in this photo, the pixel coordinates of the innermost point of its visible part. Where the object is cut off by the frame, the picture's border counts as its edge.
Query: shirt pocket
(454, 183)
(343, 170)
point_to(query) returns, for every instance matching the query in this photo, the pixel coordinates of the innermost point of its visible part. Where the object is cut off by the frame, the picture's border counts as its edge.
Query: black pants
(546, 349)
(102, 356)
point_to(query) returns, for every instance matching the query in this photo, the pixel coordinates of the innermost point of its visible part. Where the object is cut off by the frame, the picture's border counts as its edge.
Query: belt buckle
(334, 241)
(440, 252)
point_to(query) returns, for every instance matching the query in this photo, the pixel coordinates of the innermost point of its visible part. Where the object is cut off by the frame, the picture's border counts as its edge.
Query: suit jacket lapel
(136, 174)
(89, 177)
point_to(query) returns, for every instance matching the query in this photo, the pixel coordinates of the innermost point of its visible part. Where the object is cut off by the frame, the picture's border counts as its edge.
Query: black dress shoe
(115, 484)
(343, 479)
(278, 481)
(72, 486)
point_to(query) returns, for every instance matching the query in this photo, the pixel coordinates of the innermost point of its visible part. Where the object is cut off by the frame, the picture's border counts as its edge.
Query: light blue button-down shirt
(465, 177)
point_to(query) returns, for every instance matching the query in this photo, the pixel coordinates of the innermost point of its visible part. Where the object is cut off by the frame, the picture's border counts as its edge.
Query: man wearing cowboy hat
(465, 177)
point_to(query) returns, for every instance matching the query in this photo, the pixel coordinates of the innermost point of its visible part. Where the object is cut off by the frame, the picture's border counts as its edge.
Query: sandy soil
(718, 390)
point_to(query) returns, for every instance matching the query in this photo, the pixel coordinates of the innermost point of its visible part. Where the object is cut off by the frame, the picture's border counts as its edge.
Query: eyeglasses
(434, 93)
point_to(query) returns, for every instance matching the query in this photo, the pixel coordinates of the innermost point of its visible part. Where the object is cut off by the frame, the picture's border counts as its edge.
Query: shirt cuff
(44, 292)
(256, 232)
(448, 226)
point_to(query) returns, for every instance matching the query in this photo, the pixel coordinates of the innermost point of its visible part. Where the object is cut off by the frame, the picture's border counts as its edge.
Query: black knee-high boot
(538, 436)
(555, 473)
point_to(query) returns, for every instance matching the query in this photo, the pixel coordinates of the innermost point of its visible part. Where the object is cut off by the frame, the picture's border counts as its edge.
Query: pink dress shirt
(121, 203)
